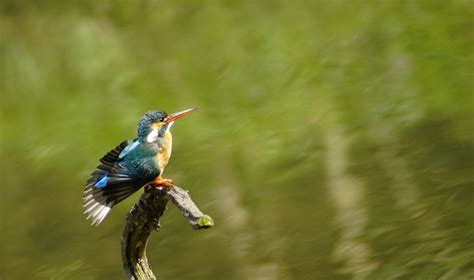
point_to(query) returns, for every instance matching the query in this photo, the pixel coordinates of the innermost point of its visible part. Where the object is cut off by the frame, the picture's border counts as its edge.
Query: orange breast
(164, 153)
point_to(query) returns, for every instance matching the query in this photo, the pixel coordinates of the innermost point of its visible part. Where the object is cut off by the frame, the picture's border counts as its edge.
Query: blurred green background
(334, 138)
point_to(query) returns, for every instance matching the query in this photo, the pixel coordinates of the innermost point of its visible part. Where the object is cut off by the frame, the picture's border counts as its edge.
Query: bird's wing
(109, 184)
(130, 147)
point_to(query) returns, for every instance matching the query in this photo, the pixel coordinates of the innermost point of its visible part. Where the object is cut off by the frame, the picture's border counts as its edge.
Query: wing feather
(101, 193)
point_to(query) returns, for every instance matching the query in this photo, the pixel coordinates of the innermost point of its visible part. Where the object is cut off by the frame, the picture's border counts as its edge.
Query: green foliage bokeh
(379, 91)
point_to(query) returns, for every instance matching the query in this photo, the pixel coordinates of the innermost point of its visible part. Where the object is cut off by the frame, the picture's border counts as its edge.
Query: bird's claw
(162, 182)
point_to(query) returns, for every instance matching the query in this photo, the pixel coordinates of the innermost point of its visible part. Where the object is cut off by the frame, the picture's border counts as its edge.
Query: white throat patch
(169, 126)
(152, 136)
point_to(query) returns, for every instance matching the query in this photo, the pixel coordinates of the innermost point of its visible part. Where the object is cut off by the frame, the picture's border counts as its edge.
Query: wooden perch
(144, 217)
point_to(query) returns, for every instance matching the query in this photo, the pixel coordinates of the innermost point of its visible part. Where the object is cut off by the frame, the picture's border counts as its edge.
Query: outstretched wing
(110, 183)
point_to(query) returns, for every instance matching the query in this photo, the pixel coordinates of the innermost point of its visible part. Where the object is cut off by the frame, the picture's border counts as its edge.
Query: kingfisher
(132, 165)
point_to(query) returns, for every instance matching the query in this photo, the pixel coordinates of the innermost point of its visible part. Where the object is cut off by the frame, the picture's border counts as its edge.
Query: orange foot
(162, 182)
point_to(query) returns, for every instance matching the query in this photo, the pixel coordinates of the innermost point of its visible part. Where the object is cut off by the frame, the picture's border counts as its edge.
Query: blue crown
(144, 126)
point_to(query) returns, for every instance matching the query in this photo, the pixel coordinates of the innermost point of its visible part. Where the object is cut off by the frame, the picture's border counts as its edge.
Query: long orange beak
(178, 115)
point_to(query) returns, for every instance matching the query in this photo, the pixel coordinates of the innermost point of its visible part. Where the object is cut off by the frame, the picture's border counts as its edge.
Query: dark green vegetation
(334, 139)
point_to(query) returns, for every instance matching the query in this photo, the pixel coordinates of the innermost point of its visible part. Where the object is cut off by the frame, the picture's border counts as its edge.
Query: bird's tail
(99, 202)
(109, 184)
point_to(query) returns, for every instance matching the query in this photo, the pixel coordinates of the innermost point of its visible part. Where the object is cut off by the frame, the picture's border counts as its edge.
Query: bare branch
(144, 217)
(190, 211)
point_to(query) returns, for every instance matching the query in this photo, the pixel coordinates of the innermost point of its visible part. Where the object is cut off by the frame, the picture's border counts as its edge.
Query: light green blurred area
(334, 139)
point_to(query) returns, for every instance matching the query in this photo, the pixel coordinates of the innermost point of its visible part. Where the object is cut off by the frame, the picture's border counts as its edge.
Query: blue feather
(102, 182)
(129, 148)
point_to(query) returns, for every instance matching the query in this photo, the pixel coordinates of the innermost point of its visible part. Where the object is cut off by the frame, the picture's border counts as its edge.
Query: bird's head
(156, 123)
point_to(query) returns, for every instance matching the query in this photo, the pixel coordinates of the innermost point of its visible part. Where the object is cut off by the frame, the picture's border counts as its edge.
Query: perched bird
(131, 165)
